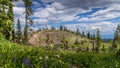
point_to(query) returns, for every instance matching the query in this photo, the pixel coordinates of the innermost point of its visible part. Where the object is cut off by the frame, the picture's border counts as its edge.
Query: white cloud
(66, 10)
(105, 27)
(111, 12)
(19, 13)
(40, 21)
(56, 12)
(18, 3)
(84, 4)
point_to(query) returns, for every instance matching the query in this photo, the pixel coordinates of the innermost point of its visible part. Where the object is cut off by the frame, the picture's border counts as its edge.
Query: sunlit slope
(47, 37)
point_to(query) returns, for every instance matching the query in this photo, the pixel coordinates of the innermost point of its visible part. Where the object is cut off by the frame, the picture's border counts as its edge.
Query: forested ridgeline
(52, 48)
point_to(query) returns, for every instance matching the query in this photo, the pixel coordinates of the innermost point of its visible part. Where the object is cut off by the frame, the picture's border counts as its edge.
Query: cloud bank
(59, 11)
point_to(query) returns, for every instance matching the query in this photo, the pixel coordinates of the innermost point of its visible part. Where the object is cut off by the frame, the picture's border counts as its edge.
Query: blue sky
(87, 15)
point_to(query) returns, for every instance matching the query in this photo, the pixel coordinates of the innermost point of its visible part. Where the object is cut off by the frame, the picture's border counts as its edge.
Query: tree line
(7, 25)
(7, 20)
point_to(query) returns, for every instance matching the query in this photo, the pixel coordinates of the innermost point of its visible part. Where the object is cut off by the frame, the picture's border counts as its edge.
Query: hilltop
(55, 37)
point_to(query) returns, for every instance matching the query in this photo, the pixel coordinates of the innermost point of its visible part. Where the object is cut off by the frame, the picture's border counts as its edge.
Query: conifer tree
(116, 37)
(78, 32)
(48, 38)
(28, 12)
(93, 38)
(98, 39)
(19, 32)
(65, 28)
(88, 35)
(61, 28)
(83, 34)
(77, 36)
(52, 28)
(77, 41)
(6, 25)
(11, 16)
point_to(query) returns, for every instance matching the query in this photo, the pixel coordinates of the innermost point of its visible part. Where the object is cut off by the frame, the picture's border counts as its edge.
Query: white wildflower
(57, 56)
(46, 57)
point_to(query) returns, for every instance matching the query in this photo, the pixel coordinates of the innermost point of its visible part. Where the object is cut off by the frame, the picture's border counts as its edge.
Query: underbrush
(14, 55)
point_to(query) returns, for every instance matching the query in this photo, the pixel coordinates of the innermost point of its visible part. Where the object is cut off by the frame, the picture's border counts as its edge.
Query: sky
(87, 15)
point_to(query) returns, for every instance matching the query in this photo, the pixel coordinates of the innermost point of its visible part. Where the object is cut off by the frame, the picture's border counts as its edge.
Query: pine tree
(52, 28)
(19, 32)
(118, 33)
(88, 35)
(61, 28)
(116, 37)
(93, 38)
(98, 39)
(77, 36)
(25, 34)
(6, 25)
(11, 16)
(78, 32)
(48, 38)
(93, 44)
(83, 34)
(65, 28)
(28, 12)
(77, 41)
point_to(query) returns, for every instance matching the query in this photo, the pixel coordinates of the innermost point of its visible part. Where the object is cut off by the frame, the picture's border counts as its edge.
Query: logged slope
(53, 37)
(21, 56)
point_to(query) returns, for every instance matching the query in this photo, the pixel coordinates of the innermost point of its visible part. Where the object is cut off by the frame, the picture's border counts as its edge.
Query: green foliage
(118, 54)
(1, 36)
(5, 2)
(6, 28)
(19, 56)
(6, 18)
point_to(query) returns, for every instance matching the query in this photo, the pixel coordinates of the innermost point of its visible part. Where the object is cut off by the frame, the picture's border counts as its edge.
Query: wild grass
(14, 55)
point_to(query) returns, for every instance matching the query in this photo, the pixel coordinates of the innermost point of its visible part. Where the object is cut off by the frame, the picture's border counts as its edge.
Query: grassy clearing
(21, 56)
